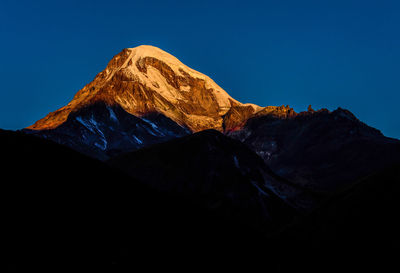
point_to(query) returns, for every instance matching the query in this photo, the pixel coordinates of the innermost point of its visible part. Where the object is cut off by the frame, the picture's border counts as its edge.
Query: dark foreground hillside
(357, 230)
(218, 171)
(65, 212)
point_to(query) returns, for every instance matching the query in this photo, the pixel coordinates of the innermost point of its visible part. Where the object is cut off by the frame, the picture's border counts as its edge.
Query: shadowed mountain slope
(319, 150)
(101, 131)
(65, 212)
(218, 170)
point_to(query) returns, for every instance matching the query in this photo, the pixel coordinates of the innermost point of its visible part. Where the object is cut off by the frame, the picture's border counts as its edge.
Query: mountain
(181, 177)
(320, 150)
(146, 96)
(144, 80)
(141, 82)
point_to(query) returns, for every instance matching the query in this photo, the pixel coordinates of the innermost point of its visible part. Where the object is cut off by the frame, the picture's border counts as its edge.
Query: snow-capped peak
(146, 79)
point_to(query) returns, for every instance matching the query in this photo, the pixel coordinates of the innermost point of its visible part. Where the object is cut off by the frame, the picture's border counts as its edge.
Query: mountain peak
(129, 56)
(146, 79)
(152, 51)
(148, 51)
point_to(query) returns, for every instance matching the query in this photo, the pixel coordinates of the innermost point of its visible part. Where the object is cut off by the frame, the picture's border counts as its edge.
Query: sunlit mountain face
(156, 158)
(139, 84)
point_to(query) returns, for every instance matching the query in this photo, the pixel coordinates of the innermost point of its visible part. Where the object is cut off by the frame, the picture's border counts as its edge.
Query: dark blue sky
(323, 53)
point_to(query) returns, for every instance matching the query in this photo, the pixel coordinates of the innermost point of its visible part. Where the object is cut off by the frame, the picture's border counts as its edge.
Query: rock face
(238, 115)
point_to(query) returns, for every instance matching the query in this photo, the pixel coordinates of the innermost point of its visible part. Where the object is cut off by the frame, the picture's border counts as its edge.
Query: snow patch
(154, 127)
(93, 127)
(101, 146)
(222, 97)
(85, 123)
(112, 114)
(259, 189)
(137, 140)
(151, 123)
(236, 162)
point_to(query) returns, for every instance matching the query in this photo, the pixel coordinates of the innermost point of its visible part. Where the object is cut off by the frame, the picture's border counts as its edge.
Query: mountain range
(153, 147)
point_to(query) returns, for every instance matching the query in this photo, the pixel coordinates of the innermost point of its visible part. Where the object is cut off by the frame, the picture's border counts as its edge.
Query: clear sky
(324, 53)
